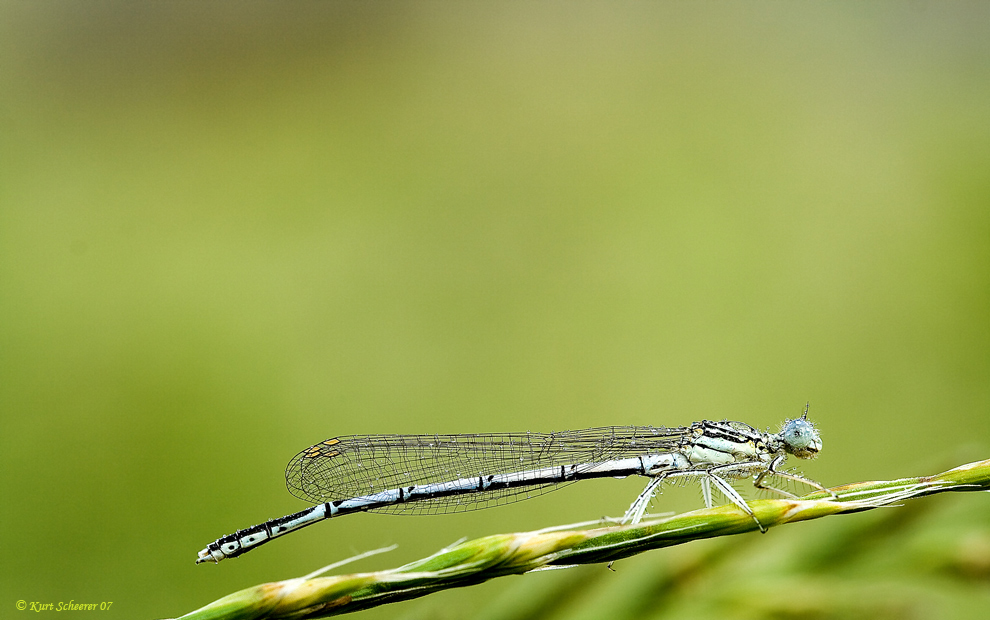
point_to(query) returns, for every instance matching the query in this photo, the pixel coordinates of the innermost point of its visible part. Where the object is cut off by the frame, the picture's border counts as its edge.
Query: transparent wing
(356, 465)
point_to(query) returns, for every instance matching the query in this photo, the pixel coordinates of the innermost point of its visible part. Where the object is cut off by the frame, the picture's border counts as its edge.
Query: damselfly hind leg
(635, 513)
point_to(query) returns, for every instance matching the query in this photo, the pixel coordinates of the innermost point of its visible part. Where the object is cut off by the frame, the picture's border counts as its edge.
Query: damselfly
(434, 474)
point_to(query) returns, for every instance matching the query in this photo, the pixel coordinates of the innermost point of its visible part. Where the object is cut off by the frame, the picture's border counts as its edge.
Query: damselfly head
(800, 438)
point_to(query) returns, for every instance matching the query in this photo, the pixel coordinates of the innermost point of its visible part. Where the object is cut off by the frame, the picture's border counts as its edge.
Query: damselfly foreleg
(772, 470)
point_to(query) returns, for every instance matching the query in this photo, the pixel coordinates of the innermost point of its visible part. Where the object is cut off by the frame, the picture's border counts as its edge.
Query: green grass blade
(494, 556)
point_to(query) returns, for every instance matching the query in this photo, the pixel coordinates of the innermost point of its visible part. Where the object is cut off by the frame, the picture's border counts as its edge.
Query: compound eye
(801, 438)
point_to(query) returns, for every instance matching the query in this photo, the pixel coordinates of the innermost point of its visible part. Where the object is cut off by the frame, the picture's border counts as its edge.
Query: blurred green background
(230, 231)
